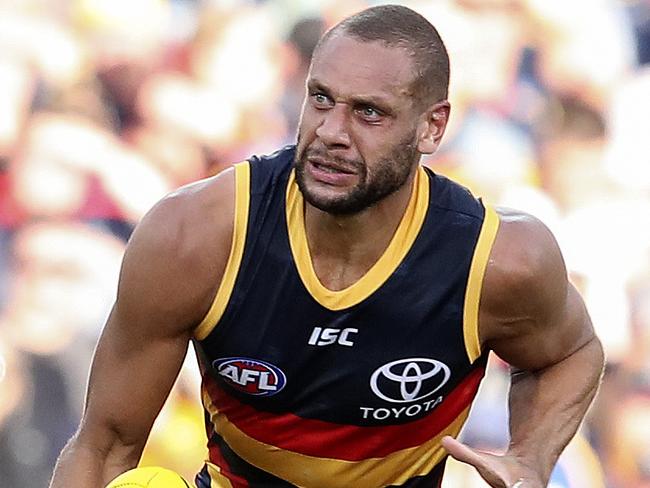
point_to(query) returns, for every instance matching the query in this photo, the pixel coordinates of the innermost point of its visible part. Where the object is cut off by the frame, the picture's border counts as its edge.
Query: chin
(342, 205)
(324, 201)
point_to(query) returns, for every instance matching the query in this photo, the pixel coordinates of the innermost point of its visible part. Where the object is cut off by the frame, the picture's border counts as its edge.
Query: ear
(432, 127)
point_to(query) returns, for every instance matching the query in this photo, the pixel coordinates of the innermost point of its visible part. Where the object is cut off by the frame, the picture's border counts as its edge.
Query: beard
(388, 175)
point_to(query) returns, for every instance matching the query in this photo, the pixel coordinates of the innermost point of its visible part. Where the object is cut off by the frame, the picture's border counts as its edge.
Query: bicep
(538, 342)
(132, 373)
(164, 290)
(533, 316)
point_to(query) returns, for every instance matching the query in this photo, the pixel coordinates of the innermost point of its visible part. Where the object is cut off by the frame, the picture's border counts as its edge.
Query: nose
(333, 129)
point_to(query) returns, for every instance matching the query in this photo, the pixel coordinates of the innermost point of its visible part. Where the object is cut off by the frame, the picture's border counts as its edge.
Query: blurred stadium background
(109, 104)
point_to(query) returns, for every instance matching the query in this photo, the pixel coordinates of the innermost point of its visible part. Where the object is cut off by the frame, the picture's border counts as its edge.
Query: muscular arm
(548, 405)
(533, 318)
(169, 275)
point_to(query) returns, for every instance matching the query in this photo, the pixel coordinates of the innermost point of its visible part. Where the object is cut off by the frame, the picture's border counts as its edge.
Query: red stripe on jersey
(341, 441)
(216, 457)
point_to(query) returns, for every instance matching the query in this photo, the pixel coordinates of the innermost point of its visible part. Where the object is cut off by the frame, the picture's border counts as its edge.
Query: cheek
(387, 153)
(372, 147)
(309, 121)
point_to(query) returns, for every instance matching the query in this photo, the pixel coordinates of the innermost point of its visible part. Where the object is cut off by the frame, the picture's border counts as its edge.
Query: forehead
(351, 66)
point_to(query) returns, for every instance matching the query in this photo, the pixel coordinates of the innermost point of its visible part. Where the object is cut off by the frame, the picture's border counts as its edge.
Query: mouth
(330, 173)
(330, 167)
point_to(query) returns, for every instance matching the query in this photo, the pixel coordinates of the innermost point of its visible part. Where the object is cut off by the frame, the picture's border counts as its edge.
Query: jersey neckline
(399, 246)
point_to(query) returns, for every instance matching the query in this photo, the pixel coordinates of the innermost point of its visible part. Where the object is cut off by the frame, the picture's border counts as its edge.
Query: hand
(499, 471)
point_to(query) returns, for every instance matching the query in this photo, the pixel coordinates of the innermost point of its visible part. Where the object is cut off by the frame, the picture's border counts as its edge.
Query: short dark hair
(399, 26)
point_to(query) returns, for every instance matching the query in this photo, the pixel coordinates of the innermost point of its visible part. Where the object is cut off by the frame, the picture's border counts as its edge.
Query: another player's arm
(532, 317)
(169, 275)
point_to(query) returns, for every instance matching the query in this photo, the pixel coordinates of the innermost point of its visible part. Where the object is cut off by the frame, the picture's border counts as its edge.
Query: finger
(462, 452)
(490, 470)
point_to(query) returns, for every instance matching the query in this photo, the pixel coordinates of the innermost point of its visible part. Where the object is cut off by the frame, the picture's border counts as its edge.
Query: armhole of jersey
(475, 282)
(242, 203)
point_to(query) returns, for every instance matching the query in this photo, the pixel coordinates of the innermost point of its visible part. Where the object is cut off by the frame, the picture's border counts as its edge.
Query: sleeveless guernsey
(304, 386)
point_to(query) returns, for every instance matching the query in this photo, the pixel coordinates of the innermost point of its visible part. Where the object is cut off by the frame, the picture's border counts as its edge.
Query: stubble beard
(389, 175)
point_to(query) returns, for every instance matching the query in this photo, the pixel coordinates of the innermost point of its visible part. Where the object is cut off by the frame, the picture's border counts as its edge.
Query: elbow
(600, 360)
(594, 362)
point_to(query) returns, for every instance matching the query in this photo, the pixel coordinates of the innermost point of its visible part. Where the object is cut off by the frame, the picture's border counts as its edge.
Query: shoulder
(186, 223)
(526, 275)
(448, 194)
(525, 250)
(178, 251)
(530, 315)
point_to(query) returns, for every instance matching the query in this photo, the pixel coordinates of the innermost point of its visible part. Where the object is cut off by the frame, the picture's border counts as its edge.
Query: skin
(358, 109)
(547, 337)
(166, 286)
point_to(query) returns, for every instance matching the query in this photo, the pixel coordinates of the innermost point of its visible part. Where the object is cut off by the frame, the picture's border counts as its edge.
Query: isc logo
(251, 376)
(326, 336)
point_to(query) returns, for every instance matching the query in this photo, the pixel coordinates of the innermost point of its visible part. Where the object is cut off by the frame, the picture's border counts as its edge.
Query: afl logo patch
(409, 380)
(251, 375)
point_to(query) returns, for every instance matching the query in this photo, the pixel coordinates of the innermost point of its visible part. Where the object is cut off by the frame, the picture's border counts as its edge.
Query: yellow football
(149, 477)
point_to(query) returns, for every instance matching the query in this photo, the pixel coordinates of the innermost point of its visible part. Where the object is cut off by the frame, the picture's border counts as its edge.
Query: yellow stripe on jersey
(302, 470)
(242, 202)
(475, 282)
(400, 244)
(217, 480)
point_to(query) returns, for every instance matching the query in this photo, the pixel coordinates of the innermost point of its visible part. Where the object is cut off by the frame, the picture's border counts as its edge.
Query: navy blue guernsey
(304, 386)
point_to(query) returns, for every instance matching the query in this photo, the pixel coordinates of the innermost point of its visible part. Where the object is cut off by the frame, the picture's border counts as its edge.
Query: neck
(354, 242)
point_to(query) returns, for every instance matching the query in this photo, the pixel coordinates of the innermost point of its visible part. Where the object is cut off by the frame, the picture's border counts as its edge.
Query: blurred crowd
(107, 105)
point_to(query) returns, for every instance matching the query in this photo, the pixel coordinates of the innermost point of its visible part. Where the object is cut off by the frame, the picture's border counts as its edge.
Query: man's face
(357, 139)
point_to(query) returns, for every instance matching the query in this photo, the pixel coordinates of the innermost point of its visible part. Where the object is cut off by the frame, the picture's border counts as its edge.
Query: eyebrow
(375, 101)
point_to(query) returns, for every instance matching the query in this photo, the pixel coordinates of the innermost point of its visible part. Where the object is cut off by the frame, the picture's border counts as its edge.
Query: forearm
(83, 465)
(547, 406)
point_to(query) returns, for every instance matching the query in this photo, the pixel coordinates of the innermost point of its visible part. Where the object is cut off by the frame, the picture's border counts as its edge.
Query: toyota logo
(409, 380)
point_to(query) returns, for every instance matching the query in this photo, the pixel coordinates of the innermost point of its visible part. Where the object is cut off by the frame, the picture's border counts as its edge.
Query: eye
(320, 100)
(369, 113)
